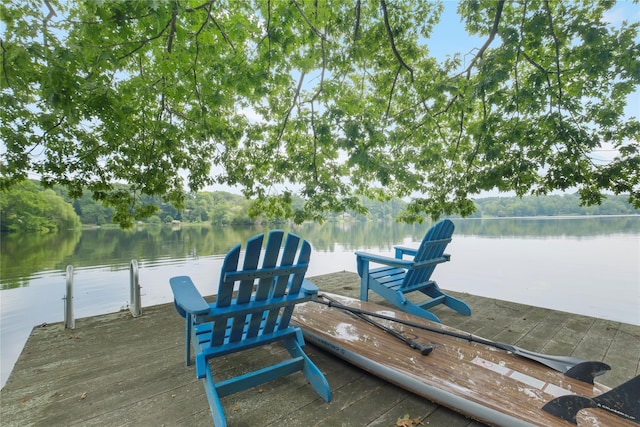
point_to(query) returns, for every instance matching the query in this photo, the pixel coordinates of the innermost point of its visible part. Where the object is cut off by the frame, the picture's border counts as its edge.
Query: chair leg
(363, 271)
(456, 304)
(187, 339)
(416, 310)
(315, 377)
(217, 412)
(364, 292)
(299, 362)
(364, 287)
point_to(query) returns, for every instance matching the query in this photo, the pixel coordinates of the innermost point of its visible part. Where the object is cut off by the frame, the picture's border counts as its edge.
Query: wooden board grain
(484, 383)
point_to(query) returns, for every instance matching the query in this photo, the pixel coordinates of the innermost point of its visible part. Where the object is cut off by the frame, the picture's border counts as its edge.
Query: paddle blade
(587, 371)
(562, 364)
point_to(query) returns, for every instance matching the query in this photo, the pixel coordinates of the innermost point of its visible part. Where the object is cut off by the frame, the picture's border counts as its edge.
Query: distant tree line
(28, 207)
(553, 205)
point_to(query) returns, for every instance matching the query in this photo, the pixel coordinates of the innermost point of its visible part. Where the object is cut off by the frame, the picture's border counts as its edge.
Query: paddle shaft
(333, 303)
(423, 349)
(559, 363)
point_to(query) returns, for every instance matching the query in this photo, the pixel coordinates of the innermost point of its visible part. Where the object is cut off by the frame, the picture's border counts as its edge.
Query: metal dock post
(134, 299)
(69, 320)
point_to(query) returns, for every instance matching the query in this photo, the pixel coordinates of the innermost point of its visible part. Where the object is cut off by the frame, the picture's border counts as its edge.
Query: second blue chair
(399, 277)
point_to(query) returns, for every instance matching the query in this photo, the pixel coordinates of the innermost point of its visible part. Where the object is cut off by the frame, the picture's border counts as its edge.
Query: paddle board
(481, 382)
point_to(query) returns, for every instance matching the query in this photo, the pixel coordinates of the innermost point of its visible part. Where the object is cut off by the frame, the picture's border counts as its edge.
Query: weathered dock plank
(117, 370)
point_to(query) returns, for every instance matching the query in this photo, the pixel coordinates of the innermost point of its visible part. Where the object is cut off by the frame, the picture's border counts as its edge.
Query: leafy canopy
(332, 100)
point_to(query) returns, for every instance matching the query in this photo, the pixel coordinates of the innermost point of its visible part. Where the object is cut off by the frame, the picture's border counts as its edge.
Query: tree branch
(268, 29)
(557, 57)
(224, 35)
(494, 31)
(385, 14)
(356, 31)
(145, 41)
(172, 33)
(290, 109)
(45, 22)
(518, 52)
(393, 86)
(4, 62)
(46, 134)
(323, 38)
(315, 144)
(460, 132)
(434, 115)
(196, 56)
(206, 5)
(324, 68)
(162, 100)
(428, 116)
(541, 69)
(313, 28)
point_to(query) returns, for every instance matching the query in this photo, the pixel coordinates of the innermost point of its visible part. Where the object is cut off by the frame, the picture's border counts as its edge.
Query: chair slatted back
(259, 297)
(432, 246)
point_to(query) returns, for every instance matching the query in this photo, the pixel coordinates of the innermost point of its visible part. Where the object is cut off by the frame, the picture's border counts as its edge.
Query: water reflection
(548, 227)
(26, 256)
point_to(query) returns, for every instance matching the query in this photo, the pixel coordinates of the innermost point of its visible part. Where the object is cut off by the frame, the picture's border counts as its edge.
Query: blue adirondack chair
(253, 308)
(401, 276)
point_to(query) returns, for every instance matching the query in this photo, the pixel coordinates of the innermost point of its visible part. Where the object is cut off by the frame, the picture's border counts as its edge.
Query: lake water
(588, 266)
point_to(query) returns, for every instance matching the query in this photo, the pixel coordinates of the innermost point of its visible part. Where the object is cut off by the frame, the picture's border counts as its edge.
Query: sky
(449, 36)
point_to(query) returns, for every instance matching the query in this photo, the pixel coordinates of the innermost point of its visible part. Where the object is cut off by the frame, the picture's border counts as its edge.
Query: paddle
(423, 349)
(572, 367)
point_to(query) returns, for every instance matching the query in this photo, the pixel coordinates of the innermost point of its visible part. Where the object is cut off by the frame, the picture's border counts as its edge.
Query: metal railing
(135, 303)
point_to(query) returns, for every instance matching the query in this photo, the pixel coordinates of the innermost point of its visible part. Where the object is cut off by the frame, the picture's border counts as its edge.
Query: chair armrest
(405, 250)
(309, 288)
(186, 296)
(393, 262)
(430, 262)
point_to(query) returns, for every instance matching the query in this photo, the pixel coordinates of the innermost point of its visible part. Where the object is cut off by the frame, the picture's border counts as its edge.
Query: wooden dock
(118, 370)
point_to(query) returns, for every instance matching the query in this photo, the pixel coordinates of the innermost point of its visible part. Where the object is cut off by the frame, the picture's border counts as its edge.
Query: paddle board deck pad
(477, 380)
